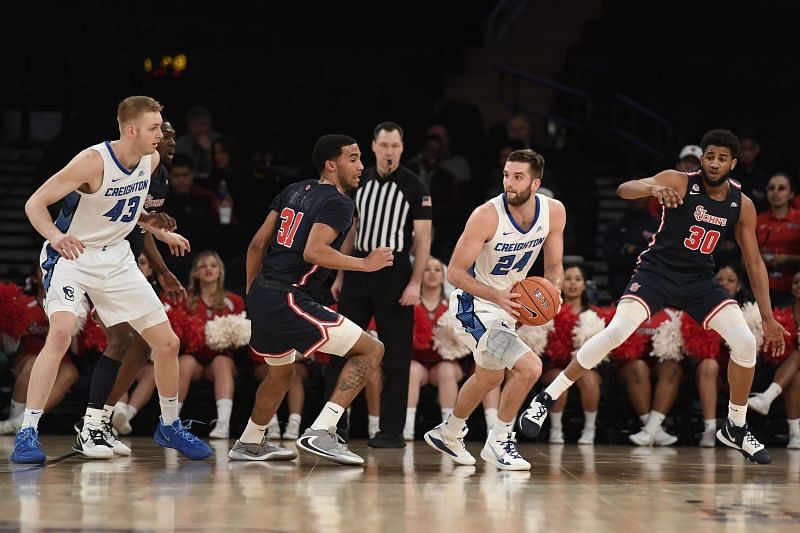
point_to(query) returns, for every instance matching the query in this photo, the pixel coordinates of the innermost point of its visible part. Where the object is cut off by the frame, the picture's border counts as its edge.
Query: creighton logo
(69, 294)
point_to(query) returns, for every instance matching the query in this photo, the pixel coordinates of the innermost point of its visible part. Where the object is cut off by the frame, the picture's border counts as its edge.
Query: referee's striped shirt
(387, 207)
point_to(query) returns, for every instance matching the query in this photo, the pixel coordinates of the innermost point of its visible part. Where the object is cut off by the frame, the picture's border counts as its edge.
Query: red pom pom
(189, 329)
(559, 340)
(632, 348)
(698, 342)
(423, 329)
(92, 336)
(785, 317)
(13, 310)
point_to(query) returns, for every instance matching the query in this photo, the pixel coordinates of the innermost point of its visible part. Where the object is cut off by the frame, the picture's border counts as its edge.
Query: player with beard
(501, 241)
(312, 218)
(677, 270)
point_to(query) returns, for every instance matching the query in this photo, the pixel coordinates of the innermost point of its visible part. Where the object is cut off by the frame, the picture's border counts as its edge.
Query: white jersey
(506, 258)
(108, 215)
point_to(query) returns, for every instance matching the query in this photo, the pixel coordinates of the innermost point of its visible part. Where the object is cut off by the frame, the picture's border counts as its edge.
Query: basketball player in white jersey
(500, 242)
(85, 253)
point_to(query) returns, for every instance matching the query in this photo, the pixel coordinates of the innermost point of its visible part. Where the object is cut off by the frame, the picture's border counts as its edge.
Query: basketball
(539, 300)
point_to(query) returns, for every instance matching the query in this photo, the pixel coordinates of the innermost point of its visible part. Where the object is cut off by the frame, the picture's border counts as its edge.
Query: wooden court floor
(571, 488)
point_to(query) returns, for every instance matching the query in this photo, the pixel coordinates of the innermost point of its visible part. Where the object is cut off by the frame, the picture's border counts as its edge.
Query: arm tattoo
(355, 374)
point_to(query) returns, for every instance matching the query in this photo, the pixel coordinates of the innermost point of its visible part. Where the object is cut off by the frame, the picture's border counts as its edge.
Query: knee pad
(630, 313)
(730, 324)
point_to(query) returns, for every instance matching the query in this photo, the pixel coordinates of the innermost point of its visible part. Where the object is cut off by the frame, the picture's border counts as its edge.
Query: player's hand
(378, 258)
(68, 246)
(505, 299)
(174, 289)
(410, 295)
(159, 221)
(336, 287)
(178, 244)
(667, 196)
(774, 334)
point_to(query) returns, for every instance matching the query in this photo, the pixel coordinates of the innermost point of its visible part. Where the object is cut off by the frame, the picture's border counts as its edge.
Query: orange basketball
(539, 300)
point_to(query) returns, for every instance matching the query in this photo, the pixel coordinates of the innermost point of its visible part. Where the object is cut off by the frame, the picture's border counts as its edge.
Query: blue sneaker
(178, 436)
(27, 449)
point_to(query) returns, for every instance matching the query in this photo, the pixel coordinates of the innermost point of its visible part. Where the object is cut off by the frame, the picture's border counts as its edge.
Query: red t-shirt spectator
(779, 236)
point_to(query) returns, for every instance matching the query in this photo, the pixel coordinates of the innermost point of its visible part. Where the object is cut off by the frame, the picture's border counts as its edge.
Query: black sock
(103, 378)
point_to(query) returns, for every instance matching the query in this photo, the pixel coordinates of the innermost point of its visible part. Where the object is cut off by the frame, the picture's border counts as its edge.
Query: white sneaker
(451, 446)
(708, 440)
(121, 420)
(759, 404)
(274, 432)
(117, 446)
(662, 438)
(292, 430)
(642, 438)
(794, 442)
(556, 436)
(587, 436)
(92, 443)
(12, 425)
(222, 430)
(502, 451)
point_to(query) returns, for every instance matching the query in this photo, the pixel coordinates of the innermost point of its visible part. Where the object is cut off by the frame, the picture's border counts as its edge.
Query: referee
(393, 209)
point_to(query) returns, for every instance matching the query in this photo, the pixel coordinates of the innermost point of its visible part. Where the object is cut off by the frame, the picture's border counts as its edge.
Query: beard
(713, 183)
(519, 198)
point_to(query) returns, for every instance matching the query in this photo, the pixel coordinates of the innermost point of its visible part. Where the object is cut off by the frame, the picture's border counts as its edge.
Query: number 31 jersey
(108, 215)
(506, 258)
(688, 234)
(299, 206)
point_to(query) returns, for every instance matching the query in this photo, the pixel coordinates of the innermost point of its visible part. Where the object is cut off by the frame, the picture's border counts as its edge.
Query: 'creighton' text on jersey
(299, 207)
(689, 233)
(508, 255)
(107, 215)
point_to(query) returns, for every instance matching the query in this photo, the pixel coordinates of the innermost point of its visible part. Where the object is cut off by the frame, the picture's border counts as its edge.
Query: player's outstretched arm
(481, 226)
(553, 247)
(669, 186)
(168, 281)
(774, 333)
(318, 251)
(258, 247)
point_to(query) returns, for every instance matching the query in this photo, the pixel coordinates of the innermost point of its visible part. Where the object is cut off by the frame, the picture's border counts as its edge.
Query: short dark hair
(526, 155)
(724, 138)
(329, 147)
(388, 126)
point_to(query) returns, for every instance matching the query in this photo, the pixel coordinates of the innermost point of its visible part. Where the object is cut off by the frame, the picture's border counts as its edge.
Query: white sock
(446, 412)
(501, 428)
(17, 408)
(94, 417)
(373, 425)
(773, 391)
(490, 415)
(644, 418)
(108, 410)
(30, 418)
(654, 422)
(589, 418)
(558, 386)
(253, 433)
(555, 420)
(709, 424)
(411, 416)
(224, 408)
(273, 421)
(170, 407)
(296, 418)
(132, 411)
(328, 417)
(180, 407)
(454, 425)
(737, 414)
(794, 426)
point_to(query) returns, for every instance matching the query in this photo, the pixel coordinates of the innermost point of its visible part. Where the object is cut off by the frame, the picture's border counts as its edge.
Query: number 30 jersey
(506, 258)
(688, 234)
(299, 206)
(108, 215)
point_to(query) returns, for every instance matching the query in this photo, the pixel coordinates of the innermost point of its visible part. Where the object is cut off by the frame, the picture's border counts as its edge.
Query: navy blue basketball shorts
(290, 325)
(698, 294)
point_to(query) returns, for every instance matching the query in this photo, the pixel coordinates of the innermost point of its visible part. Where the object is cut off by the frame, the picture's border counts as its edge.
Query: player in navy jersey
(301, 235)
(677, 270)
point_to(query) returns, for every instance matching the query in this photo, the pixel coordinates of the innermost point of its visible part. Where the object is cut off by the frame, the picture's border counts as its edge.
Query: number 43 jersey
(299, 206)
(506, 258)
(107, 215)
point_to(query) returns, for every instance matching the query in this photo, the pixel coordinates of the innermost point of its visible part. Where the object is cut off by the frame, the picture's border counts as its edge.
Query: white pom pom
(753, 319)
(535, 336)
(668, 341)
(228, 331)
(589, 324)
(445, 341)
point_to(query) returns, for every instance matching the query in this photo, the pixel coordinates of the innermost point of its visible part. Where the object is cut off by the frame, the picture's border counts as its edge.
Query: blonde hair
(193, 290)
(134, 107)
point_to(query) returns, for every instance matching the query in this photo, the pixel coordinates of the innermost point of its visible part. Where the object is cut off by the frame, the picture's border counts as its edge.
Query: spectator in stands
(495, 176)
(689, 158)
(747, 172)
(23, 352)
(196, 142)
(187, 202)
(207, 298)
(519, 128)
(786, 381)
(778, 234)
(454, 163)
(231, 176)
(623, 240)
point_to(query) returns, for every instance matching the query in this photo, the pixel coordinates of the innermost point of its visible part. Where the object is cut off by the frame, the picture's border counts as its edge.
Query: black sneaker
(386, 440)
(531, 420)
(741, 439)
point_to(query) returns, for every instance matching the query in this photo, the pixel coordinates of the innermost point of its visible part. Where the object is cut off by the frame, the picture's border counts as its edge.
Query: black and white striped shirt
(387, 207)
